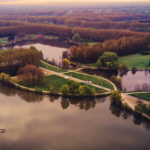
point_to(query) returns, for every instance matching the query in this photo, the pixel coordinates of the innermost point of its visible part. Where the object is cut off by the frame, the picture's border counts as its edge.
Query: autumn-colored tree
(31, 75)
(65, 63)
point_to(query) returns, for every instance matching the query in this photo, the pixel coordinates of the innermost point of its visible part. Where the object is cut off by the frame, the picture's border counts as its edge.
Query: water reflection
(58, 123)
(131, 80)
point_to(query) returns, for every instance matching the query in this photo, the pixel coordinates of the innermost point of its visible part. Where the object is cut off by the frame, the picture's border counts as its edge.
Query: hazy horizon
(68, 1)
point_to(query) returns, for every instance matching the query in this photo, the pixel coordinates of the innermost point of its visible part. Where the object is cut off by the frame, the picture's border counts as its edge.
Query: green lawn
(94, 79)
(1, 50)
(57, 82)
(143, 109)
(4, 40)
(51, 67)
(145, 96)
(137, 60)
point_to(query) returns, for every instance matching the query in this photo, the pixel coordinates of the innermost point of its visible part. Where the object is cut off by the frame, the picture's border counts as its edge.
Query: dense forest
(122, 46)
(12, 60)
(117, 31)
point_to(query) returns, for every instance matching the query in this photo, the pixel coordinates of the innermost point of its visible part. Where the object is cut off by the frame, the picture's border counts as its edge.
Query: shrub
(115, 98)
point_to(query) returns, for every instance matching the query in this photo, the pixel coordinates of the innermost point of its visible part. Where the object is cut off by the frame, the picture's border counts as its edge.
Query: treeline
(122, 46)
(12, 60)
(34, 19)
(134, 25)
(36, 28)
(5, 23)
(36, 13)
(102, 35)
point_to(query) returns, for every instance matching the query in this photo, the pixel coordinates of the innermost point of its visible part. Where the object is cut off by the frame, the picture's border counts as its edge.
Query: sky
(68, 1)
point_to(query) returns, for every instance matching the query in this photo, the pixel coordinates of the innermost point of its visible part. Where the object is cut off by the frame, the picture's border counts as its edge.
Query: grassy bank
(57, 82)
(51, 67)
(4, 40)
(137, 60)
(145, 96)
(94, 79)
(143, 109)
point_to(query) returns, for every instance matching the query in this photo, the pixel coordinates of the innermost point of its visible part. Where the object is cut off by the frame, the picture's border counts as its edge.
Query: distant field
(145, 96)
(137, 60)
(4, 40)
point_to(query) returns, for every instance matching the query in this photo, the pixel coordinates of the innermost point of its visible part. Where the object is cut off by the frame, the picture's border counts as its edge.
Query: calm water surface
(131, 81)
(36, 122)
(48, 51)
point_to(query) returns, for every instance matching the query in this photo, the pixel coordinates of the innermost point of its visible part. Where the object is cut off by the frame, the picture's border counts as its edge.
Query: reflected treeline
(81, 103)
(125, 114)
(27, 96)
(62, 43)
(143, 87)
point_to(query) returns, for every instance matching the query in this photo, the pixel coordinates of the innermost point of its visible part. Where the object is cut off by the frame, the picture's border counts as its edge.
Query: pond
(51, 49)
(39, 122)
(131, 81)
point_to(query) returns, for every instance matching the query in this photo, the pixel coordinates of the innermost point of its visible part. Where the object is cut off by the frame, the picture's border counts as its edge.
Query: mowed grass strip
(51, 67)
(57, 82)
(54, 80)
(137, 60)
(145, 96)
(94, 79)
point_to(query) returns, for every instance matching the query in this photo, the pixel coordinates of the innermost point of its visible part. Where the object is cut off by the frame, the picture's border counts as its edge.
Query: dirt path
(132, 101)
(75, 79)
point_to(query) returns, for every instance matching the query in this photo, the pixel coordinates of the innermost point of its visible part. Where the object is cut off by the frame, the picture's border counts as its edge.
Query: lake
(40, 122)
(131, 81)
(51, 49)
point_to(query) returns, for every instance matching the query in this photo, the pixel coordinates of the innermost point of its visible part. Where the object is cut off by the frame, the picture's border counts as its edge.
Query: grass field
(57, 82)
(137, 60)
(145, 96)
(1, 50)
(51, 67)
(94, 79)
(143, 109)
(4, 40)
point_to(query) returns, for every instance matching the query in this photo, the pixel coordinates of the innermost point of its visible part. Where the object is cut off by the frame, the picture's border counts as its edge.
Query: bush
(115, 98)
(145, 53)
(64, 90)
(76, 37)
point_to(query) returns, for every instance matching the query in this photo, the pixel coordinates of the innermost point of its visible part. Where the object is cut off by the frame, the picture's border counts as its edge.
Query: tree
(87, 90)
(65, 63)
(123, 67)
(81, 90)
(93, 91)
(32, 47)
(31, 75)
(99, 64)
(109, 65)
(4, 77)
(108, 57)
(64, 90)
(73, 87)
(76, 37)
(116, 97)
